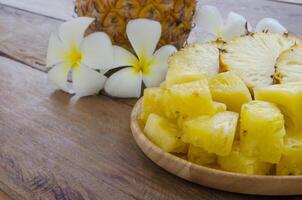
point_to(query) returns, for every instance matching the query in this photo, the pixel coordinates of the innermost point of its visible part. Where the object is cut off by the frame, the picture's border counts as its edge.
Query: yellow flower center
(74, 57)
(142, 65)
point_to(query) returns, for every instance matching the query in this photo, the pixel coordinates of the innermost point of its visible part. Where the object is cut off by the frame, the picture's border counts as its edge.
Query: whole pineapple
(112, 16)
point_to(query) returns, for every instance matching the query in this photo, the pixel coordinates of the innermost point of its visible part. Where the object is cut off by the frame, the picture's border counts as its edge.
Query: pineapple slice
(230, 89)
(164, 134)
(188, 100)
(201, 57)
(291, 160)
(200, 156)
(214, 134)
(239, 163)
(151, 103)
(253, 57)
(289, 66)
(288, 97)
(261, 131)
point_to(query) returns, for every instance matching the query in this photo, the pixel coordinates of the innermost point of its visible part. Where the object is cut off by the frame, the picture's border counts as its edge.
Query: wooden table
(54, 148)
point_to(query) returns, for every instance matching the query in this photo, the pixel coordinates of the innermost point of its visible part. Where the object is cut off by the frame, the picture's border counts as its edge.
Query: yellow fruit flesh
(183, 74)
(202, 58)
(188, 100)
(237, 162)
(288, 97)
(200, 156)
(228, 88)
(213, 134)
(164, 134)
(151, 103)
(291, 160)
(261, 131)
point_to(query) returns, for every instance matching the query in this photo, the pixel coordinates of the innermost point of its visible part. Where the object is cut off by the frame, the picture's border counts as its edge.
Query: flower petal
(236, 25)
(123, 57)
(125, 83)
(55, 51)
(72, 32)
(156, 74)
(86, 81)
(144, 35)
(97, 51)
(58, 75)
(209, 19)
(164, 53)
(201, 36)
(158, 69)
(270, 25)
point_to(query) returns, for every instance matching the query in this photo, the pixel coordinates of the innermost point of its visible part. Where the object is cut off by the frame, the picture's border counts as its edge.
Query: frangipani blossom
(148, 66)
(270, 25)
(70, 55)
(210, 25)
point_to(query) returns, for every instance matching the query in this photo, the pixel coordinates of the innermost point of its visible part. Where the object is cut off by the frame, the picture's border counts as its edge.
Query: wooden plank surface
(58, 9)
(54, 148)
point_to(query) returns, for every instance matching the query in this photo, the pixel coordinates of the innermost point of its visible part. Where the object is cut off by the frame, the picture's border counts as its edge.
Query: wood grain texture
(54, 148)
(24, 36)
(58, 9)
(232, 182)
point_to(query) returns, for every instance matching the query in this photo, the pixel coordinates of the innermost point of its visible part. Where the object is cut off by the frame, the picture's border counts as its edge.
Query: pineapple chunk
(188, 100)
(237, 162)
(291, 160)
(288, 97)
(151, 103)
(183, 74)
(289, 66)
(218, 107)
(230, 89)
(201, 57)
(164, 134)
(214, 134)
(253, 57)
(261, 131)
(200, 156)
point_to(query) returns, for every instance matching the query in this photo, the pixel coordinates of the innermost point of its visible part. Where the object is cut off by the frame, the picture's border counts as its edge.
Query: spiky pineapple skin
(112, 17)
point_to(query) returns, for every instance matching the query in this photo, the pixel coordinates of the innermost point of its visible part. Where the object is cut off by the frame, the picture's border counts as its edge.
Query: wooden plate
(213, 178)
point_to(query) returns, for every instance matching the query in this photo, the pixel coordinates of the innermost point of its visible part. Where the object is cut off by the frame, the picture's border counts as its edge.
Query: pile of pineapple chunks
(216, 120)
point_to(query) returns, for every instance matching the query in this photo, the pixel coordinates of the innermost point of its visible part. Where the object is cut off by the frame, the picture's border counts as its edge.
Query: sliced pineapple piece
(288, 97)
(200, 156)
(230, 89)
(214, 134)
(218, 107)
(188, 100)
(183, 74)
(239, 163)
(202, 57)
(152, 103)
(253, 57)
(291, 160)
(261, 131)
(289, 65)
(164, 134)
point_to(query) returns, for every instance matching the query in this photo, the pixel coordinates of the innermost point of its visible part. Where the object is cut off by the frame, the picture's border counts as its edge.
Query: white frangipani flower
(70, 55)
(210, 26)
(148, 66)
(270, 25)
